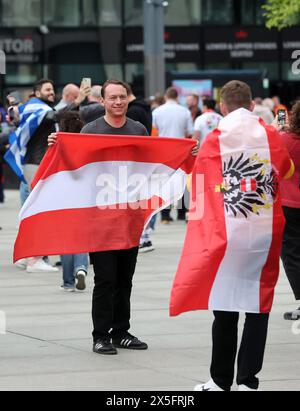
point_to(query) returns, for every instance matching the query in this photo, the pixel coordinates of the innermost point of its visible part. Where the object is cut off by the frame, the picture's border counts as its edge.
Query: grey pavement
(47, 345)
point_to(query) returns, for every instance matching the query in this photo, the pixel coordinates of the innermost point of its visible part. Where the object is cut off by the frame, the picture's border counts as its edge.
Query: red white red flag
(96, 193)
(230, 260)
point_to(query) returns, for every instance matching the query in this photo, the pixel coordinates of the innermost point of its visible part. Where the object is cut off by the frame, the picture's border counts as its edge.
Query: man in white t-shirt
(172, 120)
(208, 121)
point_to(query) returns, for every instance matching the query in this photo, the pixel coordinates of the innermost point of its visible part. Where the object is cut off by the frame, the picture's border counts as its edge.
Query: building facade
(70, 39)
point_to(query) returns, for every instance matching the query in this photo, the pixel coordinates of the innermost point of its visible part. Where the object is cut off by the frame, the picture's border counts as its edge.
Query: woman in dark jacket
(291, 203)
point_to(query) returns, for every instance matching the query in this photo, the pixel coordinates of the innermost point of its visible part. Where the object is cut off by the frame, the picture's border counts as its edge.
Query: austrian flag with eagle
(250, 184)
(230, 260)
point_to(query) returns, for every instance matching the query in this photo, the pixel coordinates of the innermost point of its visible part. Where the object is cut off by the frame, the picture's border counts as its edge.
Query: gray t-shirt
(100, 126)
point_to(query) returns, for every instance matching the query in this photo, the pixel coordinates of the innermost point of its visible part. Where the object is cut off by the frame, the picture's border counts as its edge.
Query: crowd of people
(202, 116)
(113, 108)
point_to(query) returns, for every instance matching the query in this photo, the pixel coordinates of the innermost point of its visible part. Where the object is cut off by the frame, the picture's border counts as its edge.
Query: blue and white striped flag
(31, 116)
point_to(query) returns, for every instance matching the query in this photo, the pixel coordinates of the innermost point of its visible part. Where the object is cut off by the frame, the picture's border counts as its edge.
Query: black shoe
(104, 347)
(129, 342)
(181, 216)
(293, 315)
(146, 247)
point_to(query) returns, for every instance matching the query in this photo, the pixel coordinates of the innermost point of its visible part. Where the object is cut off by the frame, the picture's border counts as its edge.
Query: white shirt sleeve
(154, 119)
(198, 124)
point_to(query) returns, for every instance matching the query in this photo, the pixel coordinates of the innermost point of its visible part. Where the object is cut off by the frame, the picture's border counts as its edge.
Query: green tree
(282, 13)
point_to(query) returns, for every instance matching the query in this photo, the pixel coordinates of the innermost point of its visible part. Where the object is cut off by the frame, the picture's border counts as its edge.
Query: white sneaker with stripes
(129, 342)
(209, 386)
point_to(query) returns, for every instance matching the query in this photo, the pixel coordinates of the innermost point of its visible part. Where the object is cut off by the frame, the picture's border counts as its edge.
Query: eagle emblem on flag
(230, 259)
(250, 184)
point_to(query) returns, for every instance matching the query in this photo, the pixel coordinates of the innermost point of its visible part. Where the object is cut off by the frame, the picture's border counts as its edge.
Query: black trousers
(166, 214)
(291, 248)
(182, 210)
(114, 272)
(225, 346)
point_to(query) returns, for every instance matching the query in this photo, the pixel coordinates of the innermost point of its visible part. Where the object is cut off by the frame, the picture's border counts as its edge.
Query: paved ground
(47, 345)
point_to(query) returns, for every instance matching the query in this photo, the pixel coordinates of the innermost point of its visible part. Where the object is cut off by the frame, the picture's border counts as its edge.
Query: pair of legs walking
(37, 264)
(225, 347)
(73, 265)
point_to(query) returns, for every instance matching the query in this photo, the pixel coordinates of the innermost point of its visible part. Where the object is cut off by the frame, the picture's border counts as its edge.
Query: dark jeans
(114, 272)
(291, 248)
(225, 346)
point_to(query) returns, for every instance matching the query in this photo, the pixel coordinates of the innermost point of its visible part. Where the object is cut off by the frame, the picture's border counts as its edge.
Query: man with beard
(37, 145)
(41, 121)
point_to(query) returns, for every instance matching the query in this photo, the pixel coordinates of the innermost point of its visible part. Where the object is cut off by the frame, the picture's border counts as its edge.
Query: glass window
(133, 13)
(62, 13)
(89, 13)
(260, 18)
(252, 12)
(271, 67)
(16, 13)
(22, 74)
(133, 71)
(112, 71)
(110, 12)
(183, 13)
(73, 73)
(177, 13)
(287, 72)
(247, 12)
(218, 12)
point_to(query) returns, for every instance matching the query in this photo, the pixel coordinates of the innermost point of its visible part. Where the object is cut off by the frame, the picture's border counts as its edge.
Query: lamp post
(155, 71)
(44, 31)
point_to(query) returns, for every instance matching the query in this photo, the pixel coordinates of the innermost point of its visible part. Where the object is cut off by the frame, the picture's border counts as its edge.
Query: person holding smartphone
(93, 109)
(69, 95)
(8, 122)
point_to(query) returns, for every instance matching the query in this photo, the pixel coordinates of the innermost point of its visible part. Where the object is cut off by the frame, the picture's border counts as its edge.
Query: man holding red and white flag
(230, 261)
(94, 193)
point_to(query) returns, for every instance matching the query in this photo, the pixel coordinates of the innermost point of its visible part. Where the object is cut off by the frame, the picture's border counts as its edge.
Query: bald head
(70, 93)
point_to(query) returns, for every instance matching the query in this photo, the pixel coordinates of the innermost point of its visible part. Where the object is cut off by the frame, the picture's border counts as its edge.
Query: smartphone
(87, 81)
(11, 113)
(282, 117)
